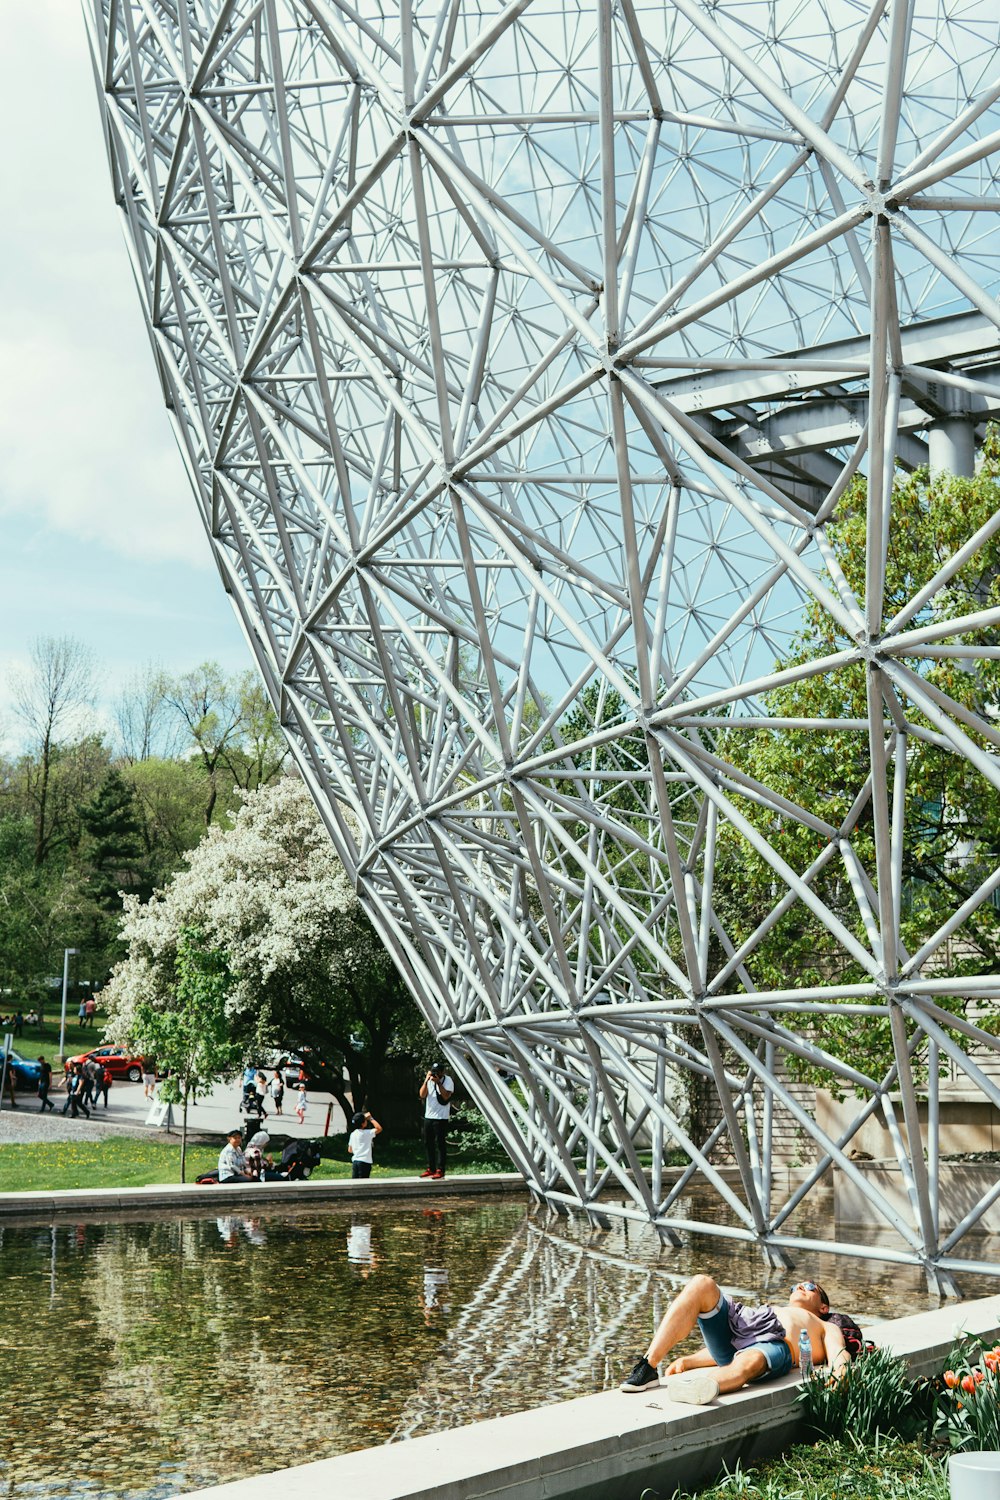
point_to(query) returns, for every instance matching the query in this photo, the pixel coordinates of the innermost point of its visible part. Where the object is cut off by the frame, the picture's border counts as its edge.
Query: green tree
(113, 862)
(306, 968)
(52, 697)
(169, 806)
(36, 907)
(192, 1040)
(952, 823)
(115, 849)
(231, 727)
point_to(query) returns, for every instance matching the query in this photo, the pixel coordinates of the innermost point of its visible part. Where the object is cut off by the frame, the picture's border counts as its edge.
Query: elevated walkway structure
(785, 416)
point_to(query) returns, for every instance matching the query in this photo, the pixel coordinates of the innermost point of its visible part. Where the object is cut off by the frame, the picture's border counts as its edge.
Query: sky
(99, 535)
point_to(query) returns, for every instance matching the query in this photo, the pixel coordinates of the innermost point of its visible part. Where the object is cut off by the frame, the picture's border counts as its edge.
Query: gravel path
(26, 1124)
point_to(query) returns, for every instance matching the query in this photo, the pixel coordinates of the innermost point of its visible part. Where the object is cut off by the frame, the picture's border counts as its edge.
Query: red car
(119, 1062)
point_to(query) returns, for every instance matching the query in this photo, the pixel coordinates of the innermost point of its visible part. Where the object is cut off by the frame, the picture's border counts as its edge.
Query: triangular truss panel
(525, 359)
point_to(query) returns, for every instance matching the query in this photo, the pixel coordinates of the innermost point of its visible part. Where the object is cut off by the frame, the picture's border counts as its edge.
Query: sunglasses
(805, 1286)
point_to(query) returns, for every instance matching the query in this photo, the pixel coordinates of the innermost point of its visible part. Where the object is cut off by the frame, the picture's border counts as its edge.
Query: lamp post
(62, 1023)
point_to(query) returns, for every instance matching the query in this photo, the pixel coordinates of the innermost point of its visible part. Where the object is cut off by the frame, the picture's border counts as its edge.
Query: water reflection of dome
(555, 1300)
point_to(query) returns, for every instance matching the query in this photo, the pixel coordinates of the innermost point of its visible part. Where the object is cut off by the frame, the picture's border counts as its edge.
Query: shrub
(874, 1396)
(885, 1470)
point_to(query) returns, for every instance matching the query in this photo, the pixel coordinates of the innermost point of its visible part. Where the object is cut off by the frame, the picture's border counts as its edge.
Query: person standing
(436, 1091)
(92, 1071)
(89, 1009)
(364, 1129)
(148, 1079)
(276, 1089)
(74, 1092)
(103, 1086)
(302, 1105)
(81, 1014)
(44, 1084)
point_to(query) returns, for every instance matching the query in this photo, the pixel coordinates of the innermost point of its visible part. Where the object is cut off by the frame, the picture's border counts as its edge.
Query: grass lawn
(130, 1162)
(45, 1039)
(891, 1470)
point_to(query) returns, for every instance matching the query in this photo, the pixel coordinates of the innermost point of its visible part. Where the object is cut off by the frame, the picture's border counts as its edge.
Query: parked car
(26, 1073)
(294, 1069)
(119, 1062)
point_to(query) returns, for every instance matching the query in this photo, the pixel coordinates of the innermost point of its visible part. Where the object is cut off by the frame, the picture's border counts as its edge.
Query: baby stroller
(252, 1108)
(299, 1159)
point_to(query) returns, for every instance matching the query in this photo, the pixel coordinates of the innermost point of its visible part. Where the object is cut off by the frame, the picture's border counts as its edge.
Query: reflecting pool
(146, 1358)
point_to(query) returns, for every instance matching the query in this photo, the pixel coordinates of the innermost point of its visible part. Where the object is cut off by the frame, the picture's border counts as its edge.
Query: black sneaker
(642, 1378)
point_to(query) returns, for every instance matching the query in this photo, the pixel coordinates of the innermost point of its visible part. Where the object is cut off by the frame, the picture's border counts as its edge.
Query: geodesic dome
(522, 357)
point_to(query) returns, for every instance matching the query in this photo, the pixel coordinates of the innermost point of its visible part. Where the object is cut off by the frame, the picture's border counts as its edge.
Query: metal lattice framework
(520, 355)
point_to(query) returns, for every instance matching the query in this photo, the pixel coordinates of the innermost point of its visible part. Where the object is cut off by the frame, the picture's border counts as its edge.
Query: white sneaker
(693, 1387)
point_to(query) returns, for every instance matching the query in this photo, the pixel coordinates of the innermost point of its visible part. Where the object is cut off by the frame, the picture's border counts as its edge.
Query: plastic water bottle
(805, 1354)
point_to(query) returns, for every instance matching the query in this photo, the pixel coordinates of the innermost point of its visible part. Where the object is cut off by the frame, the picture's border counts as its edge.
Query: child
(257, 1161)
(302, 1106)
(364, 1129)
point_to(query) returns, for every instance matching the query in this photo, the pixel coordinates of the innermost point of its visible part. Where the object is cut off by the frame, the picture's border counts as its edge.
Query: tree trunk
(344, 1102)
(43, 794)
(184, 1131)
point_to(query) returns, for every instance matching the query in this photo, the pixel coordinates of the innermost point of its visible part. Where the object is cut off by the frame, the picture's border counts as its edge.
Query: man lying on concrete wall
(742, 1344)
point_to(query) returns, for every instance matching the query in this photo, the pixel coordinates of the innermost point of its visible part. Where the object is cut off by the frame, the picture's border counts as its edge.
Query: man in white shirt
(436, 1091)
(232, 1163)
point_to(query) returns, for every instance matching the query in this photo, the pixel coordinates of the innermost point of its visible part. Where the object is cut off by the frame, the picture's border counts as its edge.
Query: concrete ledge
(605, 1447)
(225, 1198)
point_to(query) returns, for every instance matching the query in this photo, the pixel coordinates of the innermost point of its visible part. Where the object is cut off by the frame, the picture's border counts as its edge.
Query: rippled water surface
(142, 1359)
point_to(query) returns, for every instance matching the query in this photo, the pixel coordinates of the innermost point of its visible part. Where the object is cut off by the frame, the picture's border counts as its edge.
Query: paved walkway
(128, 1113)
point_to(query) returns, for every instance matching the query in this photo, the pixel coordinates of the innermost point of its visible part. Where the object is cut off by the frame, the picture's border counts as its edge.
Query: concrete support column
(952, 447)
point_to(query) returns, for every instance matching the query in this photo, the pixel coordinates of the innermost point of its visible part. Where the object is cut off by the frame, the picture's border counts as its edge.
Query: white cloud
(84, 440)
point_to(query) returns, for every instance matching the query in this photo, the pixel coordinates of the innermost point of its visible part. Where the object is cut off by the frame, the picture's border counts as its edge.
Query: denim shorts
(717, 1335)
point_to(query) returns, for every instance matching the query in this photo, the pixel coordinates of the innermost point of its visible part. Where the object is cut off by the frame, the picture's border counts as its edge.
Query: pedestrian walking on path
(74, 1094)
(302, 1105)
(44, 1084)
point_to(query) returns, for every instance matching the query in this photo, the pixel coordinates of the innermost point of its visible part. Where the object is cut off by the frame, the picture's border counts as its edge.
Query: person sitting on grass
(259, 1160)
(742, 1344)
(233, 1165)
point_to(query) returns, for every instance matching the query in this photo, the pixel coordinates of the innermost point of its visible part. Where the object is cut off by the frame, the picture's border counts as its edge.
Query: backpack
(854, 1340)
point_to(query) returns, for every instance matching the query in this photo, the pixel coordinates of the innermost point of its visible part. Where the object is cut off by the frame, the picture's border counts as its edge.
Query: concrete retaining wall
(605, 1447)
(961, 1185)
(225, 1198)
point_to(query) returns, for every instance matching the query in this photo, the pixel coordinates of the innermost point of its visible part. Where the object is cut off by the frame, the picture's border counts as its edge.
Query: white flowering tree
(305, 968)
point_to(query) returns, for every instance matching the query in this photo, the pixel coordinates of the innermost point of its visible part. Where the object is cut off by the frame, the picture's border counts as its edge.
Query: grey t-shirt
(753, 1325)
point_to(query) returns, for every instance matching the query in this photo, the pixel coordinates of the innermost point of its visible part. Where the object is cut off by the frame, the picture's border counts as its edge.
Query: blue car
(26, 1074)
